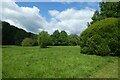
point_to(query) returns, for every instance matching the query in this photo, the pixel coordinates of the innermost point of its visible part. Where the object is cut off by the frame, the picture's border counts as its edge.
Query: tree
(19, 36)
(11, 35)
(96, 16)
(102, 38)
(28, 42)
(63, 38)
(110, 9)
(107, 10)
(33, 37)
(73, 39)
(8, 33)
(44, 39)
(56, 38)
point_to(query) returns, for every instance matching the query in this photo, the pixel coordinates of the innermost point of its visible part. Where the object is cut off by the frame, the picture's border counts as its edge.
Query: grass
(55, 62)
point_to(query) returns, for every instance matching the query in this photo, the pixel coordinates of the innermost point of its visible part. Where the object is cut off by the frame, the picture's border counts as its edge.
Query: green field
(55, 62)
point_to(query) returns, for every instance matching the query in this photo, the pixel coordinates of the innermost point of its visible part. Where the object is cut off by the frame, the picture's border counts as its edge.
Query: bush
(103, 50)
(101, 38)
(28, 42)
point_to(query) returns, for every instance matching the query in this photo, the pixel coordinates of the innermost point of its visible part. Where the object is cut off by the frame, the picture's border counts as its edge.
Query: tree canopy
(11, 35)
(63, 38)
(44, 39)
(107, 10)
(102, 38)
(56, 38)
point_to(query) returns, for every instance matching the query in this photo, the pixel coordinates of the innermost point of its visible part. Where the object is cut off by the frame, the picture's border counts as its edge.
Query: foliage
(107, 10)
(55, 62)
(12, 35)
(19, 36)
(73, 39)
(102, 38)
(28, 42)
(63, 38)
(44, 39)
(34, 37)
(8, 33)
(96, 16)
(56, 38)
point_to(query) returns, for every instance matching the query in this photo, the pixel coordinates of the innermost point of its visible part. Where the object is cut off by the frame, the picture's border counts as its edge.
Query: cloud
(54, 12)
(71, 20)
(30, 19)
(23, 17)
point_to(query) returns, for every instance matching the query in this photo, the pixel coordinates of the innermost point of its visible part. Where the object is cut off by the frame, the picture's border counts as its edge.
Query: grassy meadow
(55, 62)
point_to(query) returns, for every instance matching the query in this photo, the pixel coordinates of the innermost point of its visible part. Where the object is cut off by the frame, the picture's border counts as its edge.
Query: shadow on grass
(45, 47)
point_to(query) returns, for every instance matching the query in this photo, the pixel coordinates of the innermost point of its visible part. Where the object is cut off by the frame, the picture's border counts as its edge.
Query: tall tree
(107, 10)
(56, 38)
(110, 9)
(63, 38)
(96, 16)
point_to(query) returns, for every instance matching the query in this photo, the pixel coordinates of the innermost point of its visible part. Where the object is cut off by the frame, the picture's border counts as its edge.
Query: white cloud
(23, 17)
(29, 18)
(53, 13)
(71, 20)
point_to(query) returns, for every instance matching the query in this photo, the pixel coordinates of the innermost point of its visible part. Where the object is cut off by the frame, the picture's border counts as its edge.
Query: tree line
(11, 35)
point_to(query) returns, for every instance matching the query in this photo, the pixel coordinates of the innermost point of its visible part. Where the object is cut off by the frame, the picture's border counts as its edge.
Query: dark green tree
(11, 35)
(19, 36)
(107, 10)
(96, 16)
(110, 9)
(56, 38)
(63, 38)
(8, 32)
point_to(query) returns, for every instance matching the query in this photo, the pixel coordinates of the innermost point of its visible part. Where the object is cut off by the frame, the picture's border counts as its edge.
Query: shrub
(28, 42)
(101, 38)
(103, 50)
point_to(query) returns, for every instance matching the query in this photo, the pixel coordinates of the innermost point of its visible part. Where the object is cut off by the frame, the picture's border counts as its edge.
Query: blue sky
(60, 6)
(35, 17)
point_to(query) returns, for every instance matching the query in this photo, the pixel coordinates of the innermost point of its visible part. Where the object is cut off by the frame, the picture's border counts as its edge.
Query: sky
(49, 16)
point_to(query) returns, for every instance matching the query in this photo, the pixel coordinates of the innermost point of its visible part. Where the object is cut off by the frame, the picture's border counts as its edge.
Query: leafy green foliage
(110, 9)
(102, 38)
(73, 39)
(56, 38)
(28, 42)
(107, 10)
(44, 39)
(63, 38)
(12, 35)
(96, 16)
(19, 36)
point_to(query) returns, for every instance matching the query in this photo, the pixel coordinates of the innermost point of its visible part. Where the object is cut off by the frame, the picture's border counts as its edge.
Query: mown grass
(55, 62)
